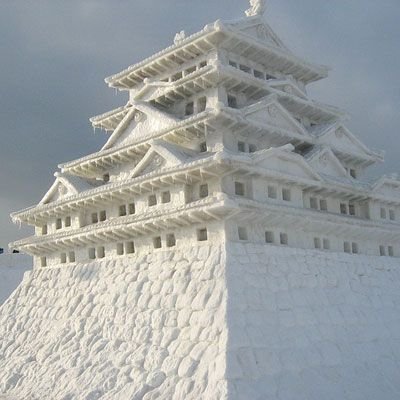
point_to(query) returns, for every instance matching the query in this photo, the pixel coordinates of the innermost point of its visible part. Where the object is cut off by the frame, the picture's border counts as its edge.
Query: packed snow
(236, 321)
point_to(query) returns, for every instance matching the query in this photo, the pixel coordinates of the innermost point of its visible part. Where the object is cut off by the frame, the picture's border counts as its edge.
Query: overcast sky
(55, 54)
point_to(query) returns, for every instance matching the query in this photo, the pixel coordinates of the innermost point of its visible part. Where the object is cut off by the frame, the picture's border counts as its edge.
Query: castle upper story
(219, 141)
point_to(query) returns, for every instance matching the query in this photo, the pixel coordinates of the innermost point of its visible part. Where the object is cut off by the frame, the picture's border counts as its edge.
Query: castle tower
(222, 203)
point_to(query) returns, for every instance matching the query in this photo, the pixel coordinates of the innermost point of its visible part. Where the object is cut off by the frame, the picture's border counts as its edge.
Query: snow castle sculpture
(219, 139)
(222, 245)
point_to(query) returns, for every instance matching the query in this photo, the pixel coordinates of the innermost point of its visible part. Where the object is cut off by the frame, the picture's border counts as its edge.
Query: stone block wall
(307, 325)
(150, 327)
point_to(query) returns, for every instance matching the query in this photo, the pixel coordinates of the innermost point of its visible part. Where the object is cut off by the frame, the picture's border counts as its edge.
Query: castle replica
(223, 244)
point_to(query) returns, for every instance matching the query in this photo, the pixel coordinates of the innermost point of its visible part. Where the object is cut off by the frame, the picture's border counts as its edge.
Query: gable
(344, 141)
(258, 29)
(325, 162)
(289, 163)
(138, 125)
(275, 115)
(58, 191)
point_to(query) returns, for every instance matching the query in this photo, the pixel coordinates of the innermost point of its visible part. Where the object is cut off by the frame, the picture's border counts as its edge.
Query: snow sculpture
(223, 244)
(258, 7)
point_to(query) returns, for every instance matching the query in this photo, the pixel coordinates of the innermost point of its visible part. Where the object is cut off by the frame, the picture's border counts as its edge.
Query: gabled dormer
(66, 186)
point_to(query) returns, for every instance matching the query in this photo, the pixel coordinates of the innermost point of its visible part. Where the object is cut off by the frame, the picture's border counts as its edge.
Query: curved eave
(207, 39)
(194, 171)
(183, 131)
(110, 120)
(210, 209)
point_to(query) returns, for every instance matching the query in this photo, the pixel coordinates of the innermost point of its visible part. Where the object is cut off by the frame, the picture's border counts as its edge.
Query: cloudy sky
(54, 55)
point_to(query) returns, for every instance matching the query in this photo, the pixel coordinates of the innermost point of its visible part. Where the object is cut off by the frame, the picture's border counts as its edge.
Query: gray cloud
(55, 55)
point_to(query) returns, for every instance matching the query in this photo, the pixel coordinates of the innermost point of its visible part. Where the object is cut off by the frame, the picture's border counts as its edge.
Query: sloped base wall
(12, 269)
(147, 328)
(307, 325)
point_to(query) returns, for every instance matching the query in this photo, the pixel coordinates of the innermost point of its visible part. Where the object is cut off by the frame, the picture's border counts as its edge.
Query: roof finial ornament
(258, 7)
(180, 37)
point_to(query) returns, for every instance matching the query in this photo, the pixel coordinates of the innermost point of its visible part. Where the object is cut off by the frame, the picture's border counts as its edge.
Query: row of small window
(388, 213)
(64, 258)
(272, 193)
(186, 72)
(269, 236)
(386, 251)
(256, 73)
(350, 247)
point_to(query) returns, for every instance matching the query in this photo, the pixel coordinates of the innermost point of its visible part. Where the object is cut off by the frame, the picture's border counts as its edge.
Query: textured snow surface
(147, 328)
(307, 325)
(245, 321)
(12, 269)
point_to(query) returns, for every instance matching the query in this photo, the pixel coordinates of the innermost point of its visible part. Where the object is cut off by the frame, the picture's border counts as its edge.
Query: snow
(230, 321)
(12, 269)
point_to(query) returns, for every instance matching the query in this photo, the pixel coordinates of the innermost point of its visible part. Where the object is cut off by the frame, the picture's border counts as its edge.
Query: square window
(120, 249)
(232, 101)
(313, 203)
(102, 216)
(122, 210)
(95, 218)
(391, 251)
(152, 200)
(58, 223)
(157, 242)
(201, 104)
(383, 213)
(242, 147)
(382, 250)
(43, 261)
(252, 148)
(317, 243)
(203, 147)
(44, 230)
(392, 215)
(272, 192)
(343, 208)
(284, 240)
(323, 205)
(132, 209)
(353, 173)
(63, 258)
(286, 195)
(242, 233)
(347, 247)
(203, 191)
(269, 237)
(202, 235)
(106, 178)
(68, 222)
(129, 247)
(171, 241)
(239, 189)
(258, 74)
(354, 248)
(326, 244)
(352, 210)
(92, 253)
(166, 197)
(71, 256)
(189, 109)
(101, 253)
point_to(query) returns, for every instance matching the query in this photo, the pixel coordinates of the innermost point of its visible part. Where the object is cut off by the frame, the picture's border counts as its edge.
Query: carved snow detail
(258, 7)
(180, 37)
